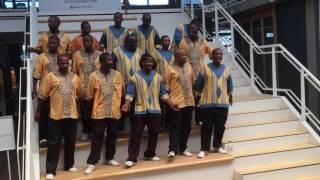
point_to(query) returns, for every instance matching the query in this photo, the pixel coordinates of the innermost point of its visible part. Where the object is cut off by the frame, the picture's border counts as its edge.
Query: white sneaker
(220, 150)
(90, 168)
(112, 162)
(154, 158)
(201, 154)
(84, 137)
(187, 153)
(171, 154)
(73, 169)
(43, 143)
(49, 176)
(129, 164)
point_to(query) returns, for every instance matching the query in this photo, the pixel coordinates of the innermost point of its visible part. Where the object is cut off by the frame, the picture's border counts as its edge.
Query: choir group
(131, 73)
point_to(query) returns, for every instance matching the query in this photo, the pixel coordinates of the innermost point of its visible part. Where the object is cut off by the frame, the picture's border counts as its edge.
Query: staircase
(265, 136)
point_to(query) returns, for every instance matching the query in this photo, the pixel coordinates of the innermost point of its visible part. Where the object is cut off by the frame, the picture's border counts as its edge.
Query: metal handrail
(273, 50)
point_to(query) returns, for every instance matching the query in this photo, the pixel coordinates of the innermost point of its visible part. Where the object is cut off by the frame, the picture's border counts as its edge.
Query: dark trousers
(164, 115)
(179, 128)
(86, 117)
(98, 128)
(122, 122)
(43, 123)
(153, 122)
(197, 117)
(212, 118)
(56, 129)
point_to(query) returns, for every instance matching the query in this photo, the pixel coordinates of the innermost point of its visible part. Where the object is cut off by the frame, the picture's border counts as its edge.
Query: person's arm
(157, 41)
(39, 48)
(34, 88)
(115, 60)
(165, 97)
(198, 86)
(43, 95)
(103, 41)
(230, 89)
(75, 63)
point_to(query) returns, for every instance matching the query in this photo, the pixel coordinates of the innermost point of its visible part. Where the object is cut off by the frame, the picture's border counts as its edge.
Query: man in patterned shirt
(179, 79)
(86, 61)
(63, 89)
(45, 63)
(105, 90)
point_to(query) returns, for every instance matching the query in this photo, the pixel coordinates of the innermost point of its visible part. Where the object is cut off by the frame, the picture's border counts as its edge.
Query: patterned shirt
(214, 85)
(77, 43)
(64, 46)
(148, 39)
(196, 52)
(146, 89)
(45, 64)
(113, 37)
(179, 82)
(106, 92)
(63, 91)
(163, 59)
(84, 64)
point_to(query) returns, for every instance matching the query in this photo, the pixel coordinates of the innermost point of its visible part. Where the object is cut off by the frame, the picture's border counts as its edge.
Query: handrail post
(232, 43)
(192, 10)
(203, 22)
(182, 6)
(274, 73)
(303, 97)
(216, 20)
(251, 65)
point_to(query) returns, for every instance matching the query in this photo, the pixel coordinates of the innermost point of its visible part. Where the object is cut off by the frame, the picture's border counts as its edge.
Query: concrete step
(267, 145)
(240, 82)
(292, 170)
(276, 161)
(145, 168)
(256, 132)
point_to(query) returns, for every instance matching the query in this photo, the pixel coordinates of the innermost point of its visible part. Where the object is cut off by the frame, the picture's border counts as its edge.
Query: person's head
(130, 42)
(106, 61)
(117, 18)
(147, 63)
(53, 23)
(216, 56)
(85, 27)
(194, 28)
(165, 42)
(87, 41)
(146, 20)
(63, 63)
(180, 56)
(53, 43)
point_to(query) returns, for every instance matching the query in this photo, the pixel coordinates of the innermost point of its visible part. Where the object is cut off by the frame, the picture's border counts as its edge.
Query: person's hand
(34, 93)
(125, 107)
(175, 107)
(196, 100)
(37, 116)
(230, 100)
(30, 49)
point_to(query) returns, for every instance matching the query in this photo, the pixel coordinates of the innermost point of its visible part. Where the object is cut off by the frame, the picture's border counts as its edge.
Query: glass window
(158, 2)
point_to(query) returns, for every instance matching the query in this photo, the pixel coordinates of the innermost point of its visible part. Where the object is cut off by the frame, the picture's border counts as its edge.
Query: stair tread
(265, 150)
(277, 166)
(263, 136)
(103, 171)
(259, 122)
(250, 97)
(308, 178)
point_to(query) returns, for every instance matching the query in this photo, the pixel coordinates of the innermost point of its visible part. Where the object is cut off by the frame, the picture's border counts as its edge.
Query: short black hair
(146, 14)
(164, 36)
(60, 56)
(117, 13)
(103, 56)
(55, 17)
(144, 57)
(195, 22)
(84, 23)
